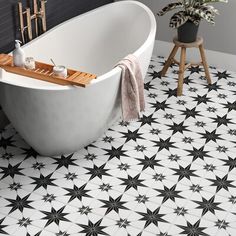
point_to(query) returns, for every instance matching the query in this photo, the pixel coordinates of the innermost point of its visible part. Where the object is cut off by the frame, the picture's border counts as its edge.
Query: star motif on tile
(231, 106)
(2, 227)
(124, 123)
(211, 109)
(49, 197)
(212, 87)
(222, 224)
(105, 187)
(158, 177)
(188, 80)
(209, 167)
(181, 102)
(7, 156)
(71, 176)
(201, 99)
(230, 162)
(184, 172)
(11, 171)
(108, 139)
(178, 128)
(180, 211)
(195, 188)
(165, 83)
(64, 161)
(155, 74)
(62, 233)
(198, 153)
(77, 193)
(152, 95)
(123, 223)
(148, 86)
(222, 96)
(174, 157)
(193, 229)
(221, 183)
(38, 166)
(222, 149)
(140, 148)
(232, 132)
(149, 120)
(115, 152)
(96, 171)
(200, 124)
(148, 162)
(195, 69)
(163, 234)
(15, 186)
(54, 216)
(152, 217)
(187, 140)
(171, 92)
(84, 210)
(124, 166)
(113, 204)
(159, 106)
(222, 120)
(19, 203)
(169, 116)
(193, 89)
(155, 131)
(190, 113)
(24, 222)
(29, 152)
(131, 135)
(141, 198)
(169, 193)
(7, 142)
(222, 75)
(231, 84)
(210, 136)
(90, 157)
(232, 199)
(208, 205)
(164, 144)
(132, 182)
(93, 229)
(43, 181)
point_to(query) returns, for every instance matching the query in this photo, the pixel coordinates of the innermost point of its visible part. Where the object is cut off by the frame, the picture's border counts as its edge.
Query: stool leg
(169, 60)
(204, 62)
(181, 71)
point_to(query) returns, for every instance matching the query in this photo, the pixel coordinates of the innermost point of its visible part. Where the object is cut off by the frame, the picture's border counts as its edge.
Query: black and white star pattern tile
(172, 172)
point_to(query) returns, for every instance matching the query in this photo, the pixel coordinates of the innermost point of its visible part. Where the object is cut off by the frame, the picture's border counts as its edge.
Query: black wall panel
(57, 11)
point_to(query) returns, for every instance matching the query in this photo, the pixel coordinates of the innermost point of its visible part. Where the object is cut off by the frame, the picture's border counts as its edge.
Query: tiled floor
(173, 172)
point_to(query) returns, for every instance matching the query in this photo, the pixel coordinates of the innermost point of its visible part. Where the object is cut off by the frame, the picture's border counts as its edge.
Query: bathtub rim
(106, 75)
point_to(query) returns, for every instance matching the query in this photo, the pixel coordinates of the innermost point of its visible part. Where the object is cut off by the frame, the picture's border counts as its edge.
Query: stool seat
(195, 44)
(182, 64)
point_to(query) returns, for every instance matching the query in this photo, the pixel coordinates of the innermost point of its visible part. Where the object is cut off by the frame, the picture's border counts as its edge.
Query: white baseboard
(214, 58)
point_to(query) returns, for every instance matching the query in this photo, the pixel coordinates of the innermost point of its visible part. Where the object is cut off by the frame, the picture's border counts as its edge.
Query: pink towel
(132, 88)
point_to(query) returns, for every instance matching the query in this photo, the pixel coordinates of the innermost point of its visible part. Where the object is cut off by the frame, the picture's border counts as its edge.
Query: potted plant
(191, 12)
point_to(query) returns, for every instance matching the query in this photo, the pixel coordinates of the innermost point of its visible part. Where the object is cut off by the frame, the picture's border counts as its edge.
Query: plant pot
(187, 33)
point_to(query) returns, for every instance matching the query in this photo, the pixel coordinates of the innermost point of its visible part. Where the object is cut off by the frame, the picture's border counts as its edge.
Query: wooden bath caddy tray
(45, 72)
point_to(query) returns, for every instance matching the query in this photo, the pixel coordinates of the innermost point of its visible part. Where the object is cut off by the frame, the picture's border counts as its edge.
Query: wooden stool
(182, 67)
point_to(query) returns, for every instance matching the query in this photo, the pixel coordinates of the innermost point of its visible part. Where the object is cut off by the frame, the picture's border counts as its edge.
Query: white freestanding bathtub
(57, 119)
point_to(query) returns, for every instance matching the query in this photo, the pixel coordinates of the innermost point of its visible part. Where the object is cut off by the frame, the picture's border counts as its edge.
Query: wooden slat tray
(45, 72)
